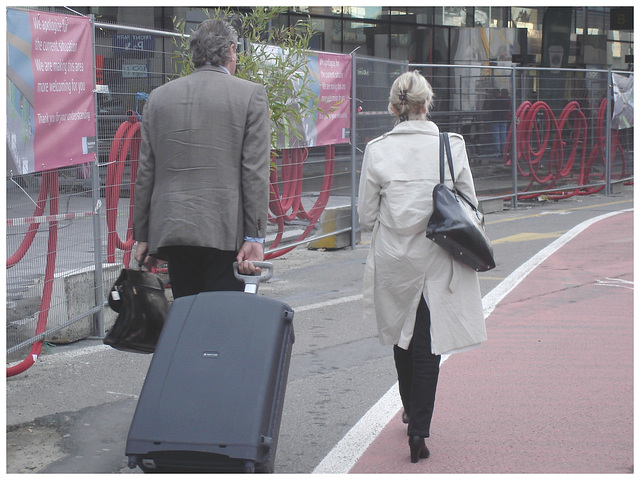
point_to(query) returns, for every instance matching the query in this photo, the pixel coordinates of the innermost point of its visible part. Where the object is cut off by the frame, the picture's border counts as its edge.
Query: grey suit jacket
(203, 174)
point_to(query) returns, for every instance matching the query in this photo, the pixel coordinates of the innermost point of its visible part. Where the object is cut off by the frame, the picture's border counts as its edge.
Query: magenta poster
(334, 73)
(330, 81)
(50, 104)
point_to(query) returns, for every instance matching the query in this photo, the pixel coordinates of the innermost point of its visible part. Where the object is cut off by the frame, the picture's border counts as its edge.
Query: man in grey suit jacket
(202, 190)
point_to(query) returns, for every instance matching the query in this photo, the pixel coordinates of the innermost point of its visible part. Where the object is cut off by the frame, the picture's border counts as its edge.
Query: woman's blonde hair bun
(409, 93)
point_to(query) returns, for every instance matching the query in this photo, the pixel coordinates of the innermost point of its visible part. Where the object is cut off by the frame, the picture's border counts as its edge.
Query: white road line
(124, 394)
(348, 450)
(328, 303)
(357, 440)
(616, 283)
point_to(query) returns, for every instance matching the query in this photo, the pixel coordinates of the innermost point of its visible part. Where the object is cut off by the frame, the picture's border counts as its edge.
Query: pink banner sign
(334, 73)
(330, 81)
(50, 72)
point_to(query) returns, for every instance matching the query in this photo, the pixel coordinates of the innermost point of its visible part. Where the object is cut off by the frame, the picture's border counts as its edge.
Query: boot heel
(418, 448)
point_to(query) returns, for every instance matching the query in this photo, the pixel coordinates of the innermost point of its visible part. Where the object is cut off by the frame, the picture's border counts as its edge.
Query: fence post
(607, 126)
(353, 149)
(98, 317)
(514, 140)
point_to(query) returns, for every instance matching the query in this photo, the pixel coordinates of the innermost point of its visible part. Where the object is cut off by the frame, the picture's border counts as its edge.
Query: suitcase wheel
(133, 461)
(249, 466)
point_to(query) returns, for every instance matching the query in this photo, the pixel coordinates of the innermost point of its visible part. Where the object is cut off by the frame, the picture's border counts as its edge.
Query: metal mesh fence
(129, 65)
(50, 230)
(374, 78)
(559, 118)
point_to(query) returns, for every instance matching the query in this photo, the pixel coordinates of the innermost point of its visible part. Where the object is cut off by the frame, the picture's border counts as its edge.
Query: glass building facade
(596, 37)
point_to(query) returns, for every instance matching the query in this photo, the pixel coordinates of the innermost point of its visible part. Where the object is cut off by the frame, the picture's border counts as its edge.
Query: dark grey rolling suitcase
(213, 396)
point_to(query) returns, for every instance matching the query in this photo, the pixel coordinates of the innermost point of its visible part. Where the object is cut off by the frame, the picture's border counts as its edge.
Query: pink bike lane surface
(551, 391)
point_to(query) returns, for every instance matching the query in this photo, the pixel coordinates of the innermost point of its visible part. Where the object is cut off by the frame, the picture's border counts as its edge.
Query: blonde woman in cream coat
(425, 303)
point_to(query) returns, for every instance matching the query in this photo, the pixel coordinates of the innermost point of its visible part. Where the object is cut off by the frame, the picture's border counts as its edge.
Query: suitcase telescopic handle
(251, 282)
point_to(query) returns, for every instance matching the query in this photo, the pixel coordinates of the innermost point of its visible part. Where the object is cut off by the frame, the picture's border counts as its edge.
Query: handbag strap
(445, 149)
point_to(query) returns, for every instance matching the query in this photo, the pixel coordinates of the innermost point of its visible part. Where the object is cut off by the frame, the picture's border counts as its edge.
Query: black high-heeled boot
(417, 448)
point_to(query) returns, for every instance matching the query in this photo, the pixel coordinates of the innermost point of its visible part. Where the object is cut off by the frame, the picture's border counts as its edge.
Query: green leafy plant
(274, 56)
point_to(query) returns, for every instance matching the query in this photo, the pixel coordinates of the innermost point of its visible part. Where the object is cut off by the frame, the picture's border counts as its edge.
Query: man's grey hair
(211, 41)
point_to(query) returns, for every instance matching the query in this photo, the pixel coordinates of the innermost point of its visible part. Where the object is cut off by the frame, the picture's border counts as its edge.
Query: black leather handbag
(456, 224)
(139, 299)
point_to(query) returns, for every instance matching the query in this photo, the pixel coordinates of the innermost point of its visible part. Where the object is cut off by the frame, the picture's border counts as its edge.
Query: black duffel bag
(139, 299)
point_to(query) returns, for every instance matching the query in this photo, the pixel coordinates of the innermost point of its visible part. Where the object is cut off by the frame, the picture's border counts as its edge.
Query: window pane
(454, 16)
(483, 17)
(368, 36)
(328, 11)
(362, 12)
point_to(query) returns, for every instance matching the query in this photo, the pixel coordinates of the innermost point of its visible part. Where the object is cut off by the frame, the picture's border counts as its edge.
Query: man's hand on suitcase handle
(250, 252)
(251, 282)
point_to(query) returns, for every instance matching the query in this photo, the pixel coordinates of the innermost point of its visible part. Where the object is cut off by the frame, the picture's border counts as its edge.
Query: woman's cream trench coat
(399, 171)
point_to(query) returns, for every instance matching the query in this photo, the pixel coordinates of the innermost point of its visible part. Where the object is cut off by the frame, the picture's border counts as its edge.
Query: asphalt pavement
(549, 392)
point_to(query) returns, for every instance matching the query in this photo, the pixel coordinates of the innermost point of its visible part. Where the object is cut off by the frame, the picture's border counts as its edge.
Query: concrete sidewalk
(551, 391)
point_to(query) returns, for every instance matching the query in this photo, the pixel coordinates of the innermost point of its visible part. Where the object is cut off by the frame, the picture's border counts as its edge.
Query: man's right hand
(142, 258)
(250, 252)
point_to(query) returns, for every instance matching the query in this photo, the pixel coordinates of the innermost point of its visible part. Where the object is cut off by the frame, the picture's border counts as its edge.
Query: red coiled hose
(539, 135)
(291, 199)
(49, 186)
(125, 145)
